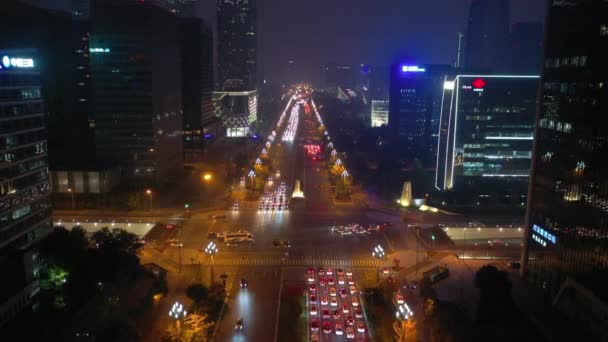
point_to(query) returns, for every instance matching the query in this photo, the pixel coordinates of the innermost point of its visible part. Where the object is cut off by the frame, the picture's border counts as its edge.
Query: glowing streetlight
(338, 162)
(178, 313)
(207, 177)
(72, 195)
(149, 193)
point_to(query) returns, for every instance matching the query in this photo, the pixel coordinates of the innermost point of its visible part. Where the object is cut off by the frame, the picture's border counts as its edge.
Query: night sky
(314, 32)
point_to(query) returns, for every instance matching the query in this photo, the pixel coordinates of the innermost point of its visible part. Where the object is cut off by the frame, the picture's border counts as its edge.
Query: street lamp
(149, 193)
(207, 177)
(211, 250)
(178, 313)
(72, 194)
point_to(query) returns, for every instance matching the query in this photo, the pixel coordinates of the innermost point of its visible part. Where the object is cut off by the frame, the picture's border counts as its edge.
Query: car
(350, 332)
(360, 327)
(358, 313)
(313, 310)
(238, 326)
(314, 337)
(352, 289)
(212, 236)
(343, 293)
(244, 283)
(322, 281)
(311, 275)
(355, 302)
(515, 265)
(340, 272)
(341, 280)
(337, 314)
(313, 298)
(350, 281)
(321, 271)
(325, 314)
(399, 298)
(281, 244)
(345, 308)
(312, 288)
(324, 300)
(314, 325)
(326, 327)
(329, 271)
(391, 280)
(350, 320)
(332, 291)
(349, 273)
(385, 270)
(338, 328)
(331, 282)
(333, 302)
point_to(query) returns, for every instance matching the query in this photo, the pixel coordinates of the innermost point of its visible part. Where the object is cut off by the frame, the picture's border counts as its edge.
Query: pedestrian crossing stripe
(304, 262)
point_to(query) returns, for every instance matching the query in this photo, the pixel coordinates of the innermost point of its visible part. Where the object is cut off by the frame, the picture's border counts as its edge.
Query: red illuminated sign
(478, 83)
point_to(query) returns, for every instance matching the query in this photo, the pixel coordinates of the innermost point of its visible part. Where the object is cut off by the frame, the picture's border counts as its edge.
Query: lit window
(603, 30)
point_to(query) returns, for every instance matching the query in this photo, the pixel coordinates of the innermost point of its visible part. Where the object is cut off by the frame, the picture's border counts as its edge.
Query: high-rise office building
(487, 35)
(197, 84)
(61, 42)
(136, 74)
(379, 115)
(525, 48)
(25, 205)
(182, 8)
(237, 45)
(566, 247)
(340, 75)
(415, 98)
(379, 83)
(486, 133)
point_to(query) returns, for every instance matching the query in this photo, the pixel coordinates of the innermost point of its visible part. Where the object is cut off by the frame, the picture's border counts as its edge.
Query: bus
(237, 236)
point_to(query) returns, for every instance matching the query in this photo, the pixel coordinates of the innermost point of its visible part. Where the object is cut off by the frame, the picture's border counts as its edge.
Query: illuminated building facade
(25, 204)
(379, 113)
(415, 94)
(237, 110)
(567, 219)
(136, 78)
(237, 45)
(486, 131)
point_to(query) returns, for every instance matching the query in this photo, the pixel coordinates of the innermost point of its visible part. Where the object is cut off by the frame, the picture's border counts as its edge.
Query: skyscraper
(526, 47)
(567, 218)
(136, 74)
(486, 133)
(25, 204)
(487, 35)
(182, 8)
(415, 98)
(237, 45)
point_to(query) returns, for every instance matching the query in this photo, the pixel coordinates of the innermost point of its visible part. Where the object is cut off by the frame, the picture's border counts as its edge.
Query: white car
(329, 271)
(341, 280)
(349, 273)
(360, 327)
(334, 302)
(313, 310)
(338, 329)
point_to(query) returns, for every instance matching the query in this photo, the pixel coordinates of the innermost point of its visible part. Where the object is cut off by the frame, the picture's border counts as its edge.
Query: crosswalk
(295, 261)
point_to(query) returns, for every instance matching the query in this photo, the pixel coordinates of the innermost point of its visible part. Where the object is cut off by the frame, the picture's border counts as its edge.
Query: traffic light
(433, 237)
(187, 205)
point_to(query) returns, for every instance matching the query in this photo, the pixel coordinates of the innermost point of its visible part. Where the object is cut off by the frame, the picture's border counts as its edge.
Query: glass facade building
(567, 227)
(379, 115)
(25, 205)
(415, 94)
(237, 45)
(486, 131)
(136, 85)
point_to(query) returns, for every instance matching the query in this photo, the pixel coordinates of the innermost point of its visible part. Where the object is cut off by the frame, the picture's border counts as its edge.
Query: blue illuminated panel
(545, 234)
(412, 68)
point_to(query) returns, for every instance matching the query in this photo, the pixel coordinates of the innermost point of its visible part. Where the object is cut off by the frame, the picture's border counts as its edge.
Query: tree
(495, 302)
(116, 241)
(197, 292)
(405, 331)
(64, 247)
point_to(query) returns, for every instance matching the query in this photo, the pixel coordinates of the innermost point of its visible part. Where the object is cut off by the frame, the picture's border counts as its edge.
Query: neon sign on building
(16, 62)
(412, 68)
